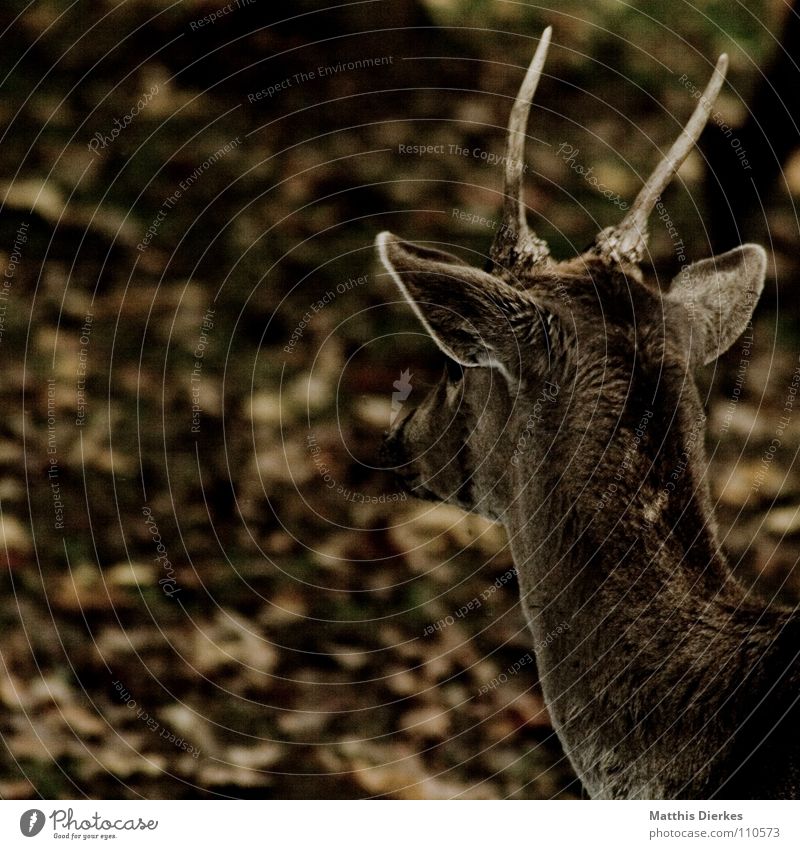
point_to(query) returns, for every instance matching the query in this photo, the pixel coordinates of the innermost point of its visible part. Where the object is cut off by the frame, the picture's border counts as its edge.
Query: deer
(568, 411)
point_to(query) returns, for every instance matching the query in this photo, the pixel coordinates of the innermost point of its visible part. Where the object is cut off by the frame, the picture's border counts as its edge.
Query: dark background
(289, 636)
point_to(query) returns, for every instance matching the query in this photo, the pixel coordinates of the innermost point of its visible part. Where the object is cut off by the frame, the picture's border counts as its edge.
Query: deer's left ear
(472, 316)
(720, 295)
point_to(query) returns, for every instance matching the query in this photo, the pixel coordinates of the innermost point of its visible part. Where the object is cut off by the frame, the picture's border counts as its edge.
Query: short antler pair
(517, 249)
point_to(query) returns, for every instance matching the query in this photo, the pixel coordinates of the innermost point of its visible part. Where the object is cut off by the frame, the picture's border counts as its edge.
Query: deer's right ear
(720, 294)
(472, 316)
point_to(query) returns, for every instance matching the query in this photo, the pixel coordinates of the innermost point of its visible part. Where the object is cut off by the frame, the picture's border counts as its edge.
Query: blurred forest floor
(217, 601)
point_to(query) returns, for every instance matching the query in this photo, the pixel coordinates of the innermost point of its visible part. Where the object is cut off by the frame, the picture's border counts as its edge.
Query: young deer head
(569, 413)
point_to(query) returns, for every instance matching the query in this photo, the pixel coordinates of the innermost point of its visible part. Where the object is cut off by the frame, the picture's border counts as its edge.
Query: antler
(628, 240)
(515, 245)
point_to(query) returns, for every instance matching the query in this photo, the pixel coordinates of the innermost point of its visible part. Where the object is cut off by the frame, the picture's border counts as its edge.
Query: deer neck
(631, 605)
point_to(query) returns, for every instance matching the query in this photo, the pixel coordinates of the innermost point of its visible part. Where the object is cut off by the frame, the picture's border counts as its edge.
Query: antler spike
(628, 240)
(514, 241)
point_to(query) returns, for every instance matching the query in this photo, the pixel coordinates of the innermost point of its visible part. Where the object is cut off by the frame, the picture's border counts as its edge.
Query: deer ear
(472, 316)
(720, 295)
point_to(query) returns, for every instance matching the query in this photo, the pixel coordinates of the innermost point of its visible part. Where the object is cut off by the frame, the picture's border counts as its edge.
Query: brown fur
(577, 424)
